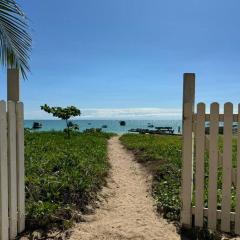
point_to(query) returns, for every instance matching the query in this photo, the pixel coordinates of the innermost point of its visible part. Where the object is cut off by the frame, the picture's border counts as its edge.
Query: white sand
(128, 209)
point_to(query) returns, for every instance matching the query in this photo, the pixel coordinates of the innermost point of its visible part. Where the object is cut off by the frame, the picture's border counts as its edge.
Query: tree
(64, 114)
(15, 41)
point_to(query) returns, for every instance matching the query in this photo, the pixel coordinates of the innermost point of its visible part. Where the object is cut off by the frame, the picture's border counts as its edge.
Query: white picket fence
(209, 212)
(12, 186)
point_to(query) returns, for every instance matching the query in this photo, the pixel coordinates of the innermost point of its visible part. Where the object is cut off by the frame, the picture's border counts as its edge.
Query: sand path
(128, 209)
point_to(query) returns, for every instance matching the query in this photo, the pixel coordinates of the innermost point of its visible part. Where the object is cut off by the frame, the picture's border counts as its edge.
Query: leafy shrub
(62, 176)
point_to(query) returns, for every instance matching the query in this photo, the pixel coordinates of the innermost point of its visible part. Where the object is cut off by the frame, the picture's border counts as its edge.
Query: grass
(62, 175)
(162, 156)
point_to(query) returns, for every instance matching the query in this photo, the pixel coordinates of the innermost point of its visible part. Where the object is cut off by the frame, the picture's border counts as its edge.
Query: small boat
(122, 123)
(104, 126)
(36, 125)
(150, 126)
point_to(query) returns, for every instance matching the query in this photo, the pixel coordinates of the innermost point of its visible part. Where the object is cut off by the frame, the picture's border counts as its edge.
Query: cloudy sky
(126, 58)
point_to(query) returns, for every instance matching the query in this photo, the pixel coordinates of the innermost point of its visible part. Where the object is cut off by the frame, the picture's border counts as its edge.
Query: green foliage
(62, 176)
(92, 130)
(64, 114)
(15, 41)
(162, 156)
(71, 128)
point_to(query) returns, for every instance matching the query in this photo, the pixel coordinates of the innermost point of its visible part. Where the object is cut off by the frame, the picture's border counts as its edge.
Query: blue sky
(128, 56)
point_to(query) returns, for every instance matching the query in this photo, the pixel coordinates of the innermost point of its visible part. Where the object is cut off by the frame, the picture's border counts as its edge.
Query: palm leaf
(15, 41)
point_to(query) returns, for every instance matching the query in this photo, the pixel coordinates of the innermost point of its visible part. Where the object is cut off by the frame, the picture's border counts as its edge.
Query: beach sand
(127, 207)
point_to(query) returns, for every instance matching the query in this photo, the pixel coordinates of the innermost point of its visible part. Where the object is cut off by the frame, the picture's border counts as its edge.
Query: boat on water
(36, 125)
(104, 126)
(122, 123)
(157, 130)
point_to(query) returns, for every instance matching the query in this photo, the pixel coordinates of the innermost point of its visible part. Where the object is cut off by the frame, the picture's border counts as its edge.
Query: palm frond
(15, 41)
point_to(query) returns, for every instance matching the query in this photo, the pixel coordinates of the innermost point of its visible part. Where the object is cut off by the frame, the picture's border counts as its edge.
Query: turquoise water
(112, 125)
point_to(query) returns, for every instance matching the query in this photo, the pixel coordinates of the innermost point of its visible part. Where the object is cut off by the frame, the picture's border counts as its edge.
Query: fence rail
(12, 193)
(220, 117)
(209, 178)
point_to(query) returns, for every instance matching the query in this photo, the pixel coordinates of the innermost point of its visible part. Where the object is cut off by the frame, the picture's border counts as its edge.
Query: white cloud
(122, 113)
(131, 113)
(117, 113)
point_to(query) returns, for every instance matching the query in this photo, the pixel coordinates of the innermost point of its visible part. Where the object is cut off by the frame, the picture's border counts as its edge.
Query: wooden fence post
(237, 218)
(13, 93)
(13, 85)
(187, 156)
(12, 169)
(20, 167)
(4, 224)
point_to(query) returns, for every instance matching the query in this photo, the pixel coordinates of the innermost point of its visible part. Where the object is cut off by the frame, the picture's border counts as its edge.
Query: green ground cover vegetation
(162, 156)
(62, 175)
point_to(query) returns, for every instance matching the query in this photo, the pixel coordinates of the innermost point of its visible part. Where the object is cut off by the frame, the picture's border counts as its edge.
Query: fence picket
(213, 163)
(199, 182)
(3, 173)
(227, 167)
(237, 219)
(12, 170)
(20, 167)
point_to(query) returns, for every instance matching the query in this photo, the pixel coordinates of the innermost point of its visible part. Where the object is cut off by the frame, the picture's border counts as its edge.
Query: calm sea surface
(112, 125)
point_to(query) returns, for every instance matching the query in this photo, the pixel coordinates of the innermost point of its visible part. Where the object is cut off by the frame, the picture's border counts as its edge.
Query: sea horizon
(107, 125)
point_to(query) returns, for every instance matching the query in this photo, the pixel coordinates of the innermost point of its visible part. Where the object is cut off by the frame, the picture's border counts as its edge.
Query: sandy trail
(127, 211)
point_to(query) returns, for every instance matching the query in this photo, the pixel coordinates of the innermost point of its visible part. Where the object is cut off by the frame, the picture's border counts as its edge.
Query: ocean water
(112, 125)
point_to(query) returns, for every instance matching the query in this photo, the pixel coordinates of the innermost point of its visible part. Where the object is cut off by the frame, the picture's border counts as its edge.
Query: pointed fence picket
(237, 219)
(200, 142)
(209, 178)
(12, 169)
(12, 196)
(213, 165)
(227, 168)
(4, 224)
